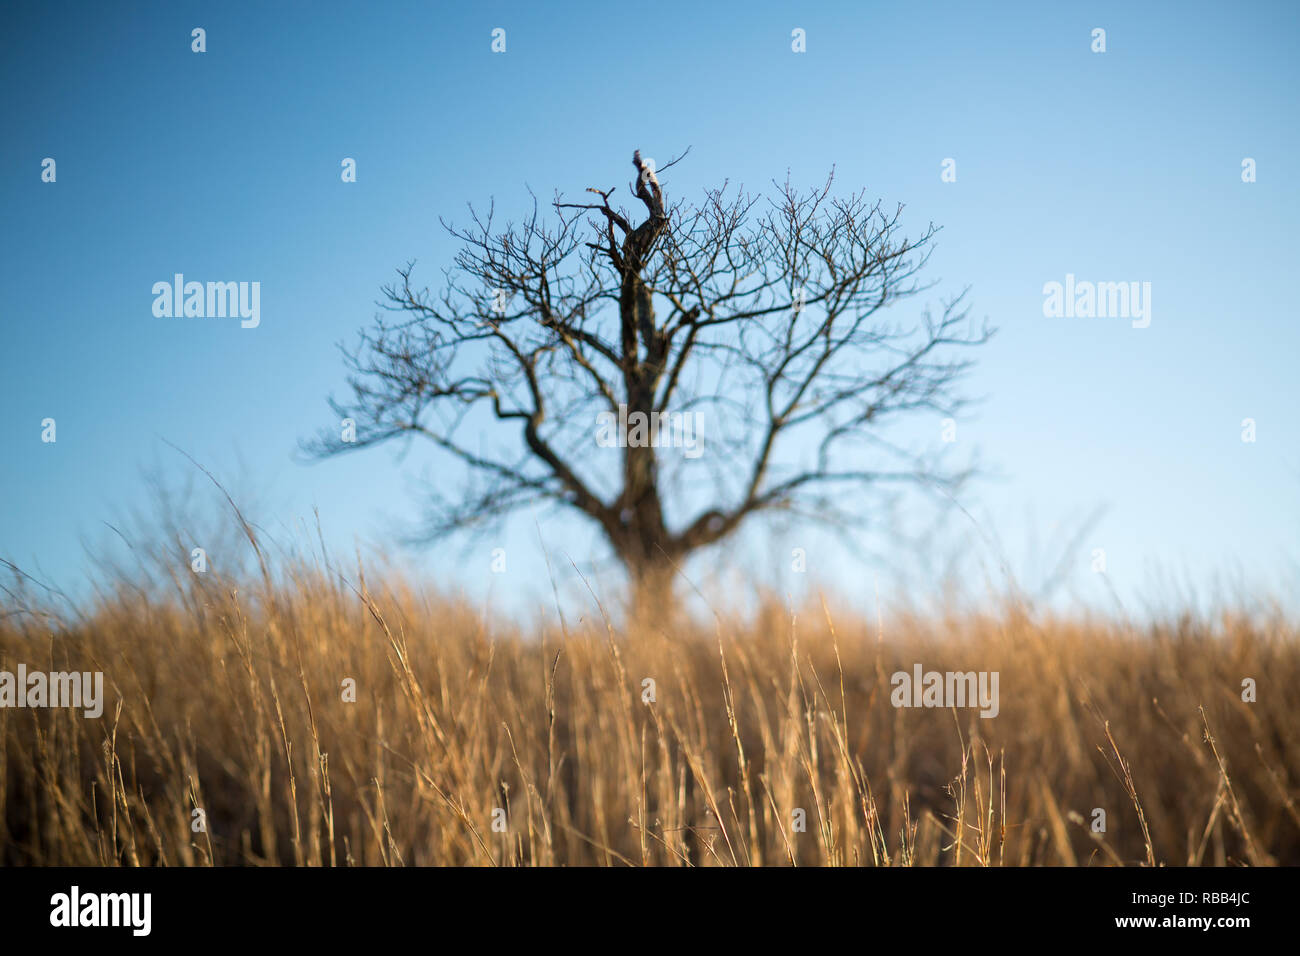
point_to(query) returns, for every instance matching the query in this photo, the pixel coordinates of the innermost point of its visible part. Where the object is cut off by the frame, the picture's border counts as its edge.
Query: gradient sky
(225, 166)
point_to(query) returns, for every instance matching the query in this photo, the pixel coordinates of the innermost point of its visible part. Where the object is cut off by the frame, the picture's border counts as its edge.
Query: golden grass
(230, 700)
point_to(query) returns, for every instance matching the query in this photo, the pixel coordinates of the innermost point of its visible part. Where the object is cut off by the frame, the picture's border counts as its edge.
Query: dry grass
(230, 700)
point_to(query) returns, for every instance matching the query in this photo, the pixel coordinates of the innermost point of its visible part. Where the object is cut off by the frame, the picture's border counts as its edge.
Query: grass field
(472, 741)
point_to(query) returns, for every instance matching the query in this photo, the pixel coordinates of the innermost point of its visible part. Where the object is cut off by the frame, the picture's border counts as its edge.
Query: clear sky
(1117, 166)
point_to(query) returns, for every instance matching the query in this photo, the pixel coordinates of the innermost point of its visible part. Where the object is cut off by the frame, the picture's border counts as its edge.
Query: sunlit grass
(229, 698)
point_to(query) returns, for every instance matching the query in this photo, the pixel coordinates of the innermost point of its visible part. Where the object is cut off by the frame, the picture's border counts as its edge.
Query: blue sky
(1119, 166)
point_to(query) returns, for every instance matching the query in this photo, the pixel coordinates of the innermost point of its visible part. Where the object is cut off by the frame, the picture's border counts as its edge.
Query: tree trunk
(652, 603)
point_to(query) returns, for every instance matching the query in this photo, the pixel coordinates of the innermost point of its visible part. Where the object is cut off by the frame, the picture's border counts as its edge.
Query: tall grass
(227, 696)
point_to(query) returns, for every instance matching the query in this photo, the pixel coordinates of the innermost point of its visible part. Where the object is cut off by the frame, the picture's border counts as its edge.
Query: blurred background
(225, 166)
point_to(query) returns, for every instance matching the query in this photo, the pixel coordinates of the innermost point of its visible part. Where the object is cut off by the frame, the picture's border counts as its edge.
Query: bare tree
(762, 318)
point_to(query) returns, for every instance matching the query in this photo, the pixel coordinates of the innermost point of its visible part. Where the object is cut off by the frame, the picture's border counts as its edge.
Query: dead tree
(763, 318)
